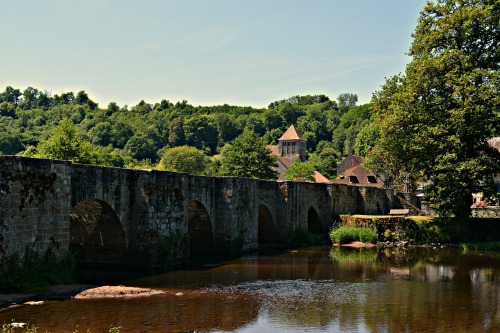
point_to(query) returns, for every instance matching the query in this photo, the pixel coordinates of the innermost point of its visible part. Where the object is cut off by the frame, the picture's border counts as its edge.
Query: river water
(313, 289)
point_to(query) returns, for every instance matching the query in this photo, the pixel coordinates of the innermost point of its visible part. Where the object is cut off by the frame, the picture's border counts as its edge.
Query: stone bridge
(111, 215)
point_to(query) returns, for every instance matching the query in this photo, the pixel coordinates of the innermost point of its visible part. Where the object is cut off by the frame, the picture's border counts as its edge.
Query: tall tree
(247, 156)
(65, 144)
(436, 119)
(184, 159)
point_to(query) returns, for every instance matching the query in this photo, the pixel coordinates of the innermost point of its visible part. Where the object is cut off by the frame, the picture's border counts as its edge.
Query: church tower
(292, 145)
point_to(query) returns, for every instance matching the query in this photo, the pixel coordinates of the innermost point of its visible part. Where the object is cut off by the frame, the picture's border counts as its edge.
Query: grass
(344, 235)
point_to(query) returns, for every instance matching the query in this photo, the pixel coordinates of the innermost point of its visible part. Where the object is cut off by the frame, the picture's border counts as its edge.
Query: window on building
(353, 180)
(372, 180)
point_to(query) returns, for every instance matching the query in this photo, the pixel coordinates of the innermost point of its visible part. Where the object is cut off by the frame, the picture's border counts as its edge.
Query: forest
(35, 123)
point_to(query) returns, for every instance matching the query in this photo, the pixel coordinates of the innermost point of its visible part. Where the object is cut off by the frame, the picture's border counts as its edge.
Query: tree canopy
(247, 156)
(436, 118)
(184, 159)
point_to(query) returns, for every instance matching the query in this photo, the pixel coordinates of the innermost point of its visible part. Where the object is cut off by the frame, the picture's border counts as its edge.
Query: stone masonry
(156, 211)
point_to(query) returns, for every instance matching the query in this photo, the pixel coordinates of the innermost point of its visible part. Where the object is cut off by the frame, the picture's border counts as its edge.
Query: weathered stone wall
(154, 207)
(35, 197)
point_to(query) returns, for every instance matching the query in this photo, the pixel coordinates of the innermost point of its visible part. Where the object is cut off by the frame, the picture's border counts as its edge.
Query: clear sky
(209, 52)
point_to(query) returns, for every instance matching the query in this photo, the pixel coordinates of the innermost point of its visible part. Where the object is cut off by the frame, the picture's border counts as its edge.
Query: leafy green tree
(290, 112)
(247, 156)
(10, 140)
(184, 159)
(301, 171)
(142, 108)
(82, 98)
(7, 109)
(226, 127)
(121, 133)
(141, 147)
(112, 108)
(100, 134)
(367, 139)
(64, 143)
(10, 95)
(436, 119)
(201, 132)
(346, 101)
(176, 135)
(326, 161)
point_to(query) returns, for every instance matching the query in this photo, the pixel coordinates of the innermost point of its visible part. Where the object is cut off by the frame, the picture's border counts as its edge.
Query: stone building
(292, 147)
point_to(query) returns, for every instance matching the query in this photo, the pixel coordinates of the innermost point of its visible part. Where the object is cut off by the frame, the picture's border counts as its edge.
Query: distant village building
(349, 162)
(292, 147)
(350, 172)
(359, 176)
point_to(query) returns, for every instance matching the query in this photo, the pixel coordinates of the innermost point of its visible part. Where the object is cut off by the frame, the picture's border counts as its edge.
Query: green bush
(344, 235)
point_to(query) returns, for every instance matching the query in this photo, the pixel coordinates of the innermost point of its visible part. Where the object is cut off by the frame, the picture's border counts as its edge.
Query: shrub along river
(313, 289)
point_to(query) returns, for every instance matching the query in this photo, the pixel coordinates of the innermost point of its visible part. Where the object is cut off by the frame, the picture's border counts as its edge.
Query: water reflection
(311, 289)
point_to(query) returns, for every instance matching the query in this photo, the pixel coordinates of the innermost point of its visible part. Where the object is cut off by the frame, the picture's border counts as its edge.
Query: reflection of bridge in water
(148, 217)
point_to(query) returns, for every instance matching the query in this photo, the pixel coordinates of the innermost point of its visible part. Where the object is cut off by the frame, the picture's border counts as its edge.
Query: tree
(249, 157)
(141, 147)
(326, 161)
(65, 144)
(184, 159)
(367, 139)
(201, 132)
(347, 101)
(437, 117)
(301, 171)
(176, 135)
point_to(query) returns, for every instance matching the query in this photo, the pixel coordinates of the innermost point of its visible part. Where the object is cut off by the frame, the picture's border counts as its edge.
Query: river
(312, 289)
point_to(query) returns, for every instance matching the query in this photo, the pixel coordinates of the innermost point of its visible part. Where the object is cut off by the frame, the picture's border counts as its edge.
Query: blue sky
(209, 52)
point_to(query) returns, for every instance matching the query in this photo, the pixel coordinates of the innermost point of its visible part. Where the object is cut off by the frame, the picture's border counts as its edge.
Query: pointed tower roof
(291, 134)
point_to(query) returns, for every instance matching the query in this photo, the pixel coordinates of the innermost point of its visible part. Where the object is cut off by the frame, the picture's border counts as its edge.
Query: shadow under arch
(200, 231)
(266, 229)
(314, 222)
(96, 234)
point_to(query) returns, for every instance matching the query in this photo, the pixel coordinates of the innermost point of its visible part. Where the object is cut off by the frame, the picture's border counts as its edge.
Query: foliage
(344, 235)
(247, 156)
(184, 159)
(128, 137)
(301, 171)
(35, 271)
(65, 144)
(435, 120)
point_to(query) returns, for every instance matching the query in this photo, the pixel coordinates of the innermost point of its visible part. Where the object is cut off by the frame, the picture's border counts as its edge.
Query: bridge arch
(96, 233)
(200, 230)
(314, 224)
(266, 229)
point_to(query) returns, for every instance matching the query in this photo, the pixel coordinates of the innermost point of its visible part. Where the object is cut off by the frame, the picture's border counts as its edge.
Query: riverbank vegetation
(475, 233)
(36, 271)
(344, 235)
